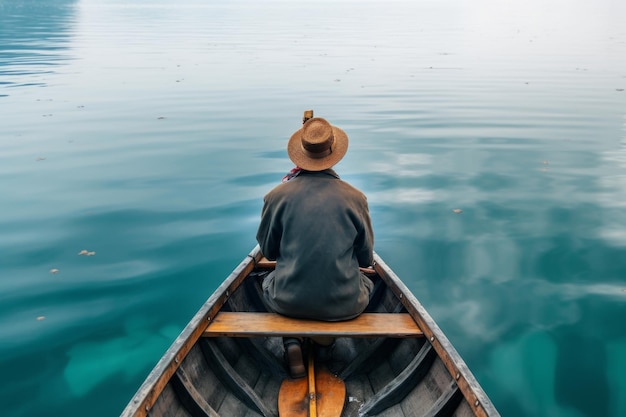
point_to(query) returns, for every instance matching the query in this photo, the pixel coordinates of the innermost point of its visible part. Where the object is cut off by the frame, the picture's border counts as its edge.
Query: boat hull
(242, 376)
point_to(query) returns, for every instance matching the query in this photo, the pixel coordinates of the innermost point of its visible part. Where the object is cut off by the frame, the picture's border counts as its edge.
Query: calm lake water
(147, 132)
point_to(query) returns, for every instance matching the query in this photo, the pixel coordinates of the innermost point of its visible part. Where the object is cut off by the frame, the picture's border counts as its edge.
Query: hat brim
(298, 157)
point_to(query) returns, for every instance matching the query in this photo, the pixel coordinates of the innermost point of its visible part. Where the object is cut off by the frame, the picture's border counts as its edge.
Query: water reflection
(171, 128)
(34, 40)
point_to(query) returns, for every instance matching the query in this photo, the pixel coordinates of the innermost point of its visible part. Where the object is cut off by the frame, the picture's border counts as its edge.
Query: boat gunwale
(148, 393)
(475, 396)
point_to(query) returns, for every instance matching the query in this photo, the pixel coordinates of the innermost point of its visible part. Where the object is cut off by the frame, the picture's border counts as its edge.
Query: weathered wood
(242, 375)
(447, 402)
(398, 388)
(244, 324)
(254, 347)
(189, 395)
(233, 380)
(169, 404)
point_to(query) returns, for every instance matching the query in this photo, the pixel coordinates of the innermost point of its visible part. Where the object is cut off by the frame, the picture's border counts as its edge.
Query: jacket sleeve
(364, 243)
(269, 234)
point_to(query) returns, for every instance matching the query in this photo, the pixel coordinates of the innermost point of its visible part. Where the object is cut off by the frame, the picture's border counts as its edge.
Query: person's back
(318, 229)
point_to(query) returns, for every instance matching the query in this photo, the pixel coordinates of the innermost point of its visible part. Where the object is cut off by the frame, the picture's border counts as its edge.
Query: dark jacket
(318, 229)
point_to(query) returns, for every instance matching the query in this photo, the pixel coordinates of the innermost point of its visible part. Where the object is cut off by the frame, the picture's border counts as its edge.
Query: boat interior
(230, 374)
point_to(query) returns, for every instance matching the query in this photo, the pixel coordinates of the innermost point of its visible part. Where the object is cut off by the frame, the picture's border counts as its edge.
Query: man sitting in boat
(318, 229)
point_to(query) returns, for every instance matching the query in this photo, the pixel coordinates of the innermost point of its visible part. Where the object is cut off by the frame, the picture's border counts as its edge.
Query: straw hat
(318, 145)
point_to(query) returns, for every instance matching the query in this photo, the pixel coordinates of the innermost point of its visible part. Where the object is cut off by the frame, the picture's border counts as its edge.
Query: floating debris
(40, 318)
(85, 252)
(40, 159)
(54, 271)
(91, 253)
(161, 118)
(457, 211)
(337, 80)
(545, 162)
(619, 89)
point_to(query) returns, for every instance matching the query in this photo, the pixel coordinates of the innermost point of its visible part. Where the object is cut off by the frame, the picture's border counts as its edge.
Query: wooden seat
(249, 324)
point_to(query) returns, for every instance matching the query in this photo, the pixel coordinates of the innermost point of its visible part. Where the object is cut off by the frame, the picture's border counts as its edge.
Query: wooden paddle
(320, 394)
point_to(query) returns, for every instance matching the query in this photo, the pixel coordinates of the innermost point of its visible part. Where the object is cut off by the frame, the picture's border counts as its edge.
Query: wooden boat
(393, 360)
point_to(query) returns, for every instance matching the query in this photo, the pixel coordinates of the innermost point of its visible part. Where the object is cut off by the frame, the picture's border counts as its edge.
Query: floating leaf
(54, 271)
(83, 252)
(457, 210)
(91, 253)
(40, 318)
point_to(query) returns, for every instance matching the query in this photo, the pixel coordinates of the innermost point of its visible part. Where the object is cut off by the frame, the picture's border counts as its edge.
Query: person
(318, 229)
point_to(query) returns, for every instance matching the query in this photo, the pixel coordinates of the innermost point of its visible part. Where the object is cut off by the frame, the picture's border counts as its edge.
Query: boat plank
(395, 391)
(168, 404)
(189, 395)
(358, 389)
(203, 377)
(447, 403)
(367, 354)
(247, 324)
(234, 381)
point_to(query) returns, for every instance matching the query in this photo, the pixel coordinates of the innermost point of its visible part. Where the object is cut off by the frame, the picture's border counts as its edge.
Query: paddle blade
(330, 394)
(293, 398)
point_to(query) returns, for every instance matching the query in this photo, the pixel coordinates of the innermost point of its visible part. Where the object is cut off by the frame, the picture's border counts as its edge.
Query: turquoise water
(147, 132)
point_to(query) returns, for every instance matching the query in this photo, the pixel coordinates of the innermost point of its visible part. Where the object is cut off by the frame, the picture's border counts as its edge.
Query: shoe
(293, 356)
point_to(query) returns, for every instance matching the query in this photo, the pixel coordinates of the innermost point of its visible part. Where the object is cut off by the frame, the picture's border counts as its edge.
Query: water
(149, 131)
